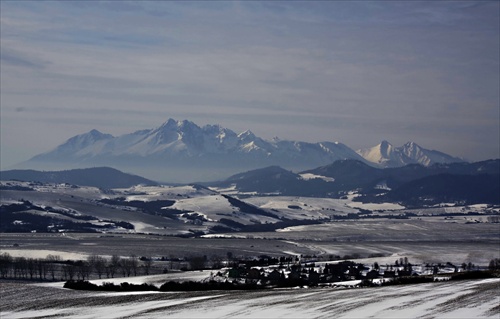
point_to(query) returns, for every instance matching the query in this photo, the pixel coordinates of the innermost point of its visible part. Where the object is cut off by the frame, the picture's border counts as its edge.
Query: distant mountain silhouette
(465, 182)
(102, 177)
(448, 188)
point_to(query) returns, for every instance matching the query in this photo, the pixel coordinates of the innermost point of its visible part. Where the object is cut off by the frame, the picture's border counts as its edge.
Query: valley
(192, 220)
(190, 232)
(249, 159)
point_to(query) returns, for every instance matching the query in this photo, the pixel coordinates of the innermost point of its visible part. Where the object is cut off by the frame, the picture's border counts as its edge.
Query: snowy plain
(427, 237)
(464, 299)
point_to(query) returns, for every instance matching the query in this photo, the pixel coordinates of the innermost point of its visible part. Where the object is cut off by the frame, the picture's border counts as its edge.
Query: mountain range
(414, 184)
(181, 151)
(385, 155)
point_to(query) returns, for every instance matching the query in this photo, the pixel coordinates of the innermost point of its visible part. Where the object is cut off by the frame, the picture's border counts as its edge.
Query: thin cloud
(356, 72)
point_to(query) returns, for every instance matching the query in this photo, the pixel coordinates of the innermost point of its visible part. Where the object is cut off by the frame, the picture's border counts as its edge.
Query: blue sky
(356, 72)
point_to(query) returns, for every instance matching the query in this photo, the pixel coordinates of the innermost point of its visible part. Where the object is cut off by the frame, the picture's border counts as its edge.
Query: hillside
(341, 177)
(101, 177)
(447, 188)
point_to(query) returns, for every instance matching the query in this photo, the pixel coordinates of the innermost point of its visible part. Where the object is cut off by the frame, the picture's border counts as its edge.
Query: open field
(458, 234)
(79, 246)
(465, 299)
(144, 245)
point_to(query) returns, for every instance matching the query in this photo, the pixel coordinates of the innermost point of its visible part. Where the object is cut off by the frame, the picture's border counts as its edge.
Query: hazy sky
(356, 72)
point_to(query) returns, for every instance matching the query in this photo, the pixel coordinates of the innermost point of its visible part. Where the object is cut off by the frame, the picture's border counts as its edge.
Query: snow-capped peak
(185, 124)
(385, 148)
(379, 154)
(385, 155)
(182, 145)
(94, 134)
(411, 149)
(86, 139)
(246, 135)
(170, 124)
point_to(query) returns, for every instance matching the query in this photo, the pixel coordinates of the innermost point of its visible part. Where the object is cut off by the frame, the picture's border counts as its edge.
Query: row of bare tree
(53, 267)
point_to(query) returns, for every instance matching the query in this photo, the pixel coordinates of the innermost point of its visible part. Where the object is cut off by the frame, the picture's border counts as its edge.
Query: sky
(357, 72)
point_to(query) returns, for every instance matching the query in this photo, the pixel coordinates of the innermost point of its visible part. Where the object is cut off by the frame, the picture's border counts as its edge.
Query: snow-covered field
(202, 208)
(376, 206)
(309, 176)
(215, 207)
(150, 193)
(463, 299)
(430, 236)
(302, 207)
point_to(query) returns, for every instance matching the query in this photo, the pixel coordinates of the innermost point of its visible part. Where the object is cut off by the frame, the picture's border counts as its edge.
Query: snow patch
(376, 206)
(310, 176)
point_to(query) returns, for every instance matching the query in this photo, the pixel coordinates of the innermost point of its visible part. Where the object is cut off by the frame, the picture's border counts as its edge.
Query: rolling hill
(102, 177)
(461, 181)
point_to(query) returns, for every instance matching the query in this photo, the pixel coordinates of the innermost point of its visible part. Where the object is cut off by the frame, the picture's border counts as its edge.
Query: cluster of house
(312, 274)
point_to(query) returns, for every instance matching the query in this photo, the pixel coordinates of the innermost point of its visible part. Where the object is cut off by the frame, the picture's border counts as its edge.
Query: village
(290, 272)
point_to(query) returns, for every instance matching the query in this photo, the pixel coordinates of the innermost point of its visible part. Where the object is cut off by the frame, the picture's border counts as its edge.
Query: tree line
(54, 268)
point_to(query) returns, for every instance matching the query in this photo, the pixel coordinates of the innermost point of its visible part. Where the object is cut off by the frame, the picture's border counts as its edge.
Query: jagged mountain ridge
(386, 155)
(181, 151)
(186, 138)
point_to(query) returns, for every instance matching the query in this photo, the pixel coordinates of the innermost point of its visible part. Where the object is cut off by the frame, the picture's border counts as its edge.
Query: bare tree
(494, 264)
(31, 263)
(114, 265)
(126, 266)
(470, 266)
(97, 263)
(69, 271)
(147, 263)
(6, 262)
(51, 264)
(83, 269)
(40, 266)
(134, 264)
(20, 267)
